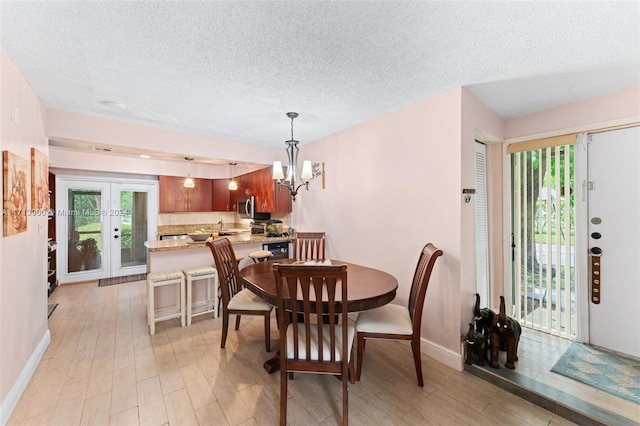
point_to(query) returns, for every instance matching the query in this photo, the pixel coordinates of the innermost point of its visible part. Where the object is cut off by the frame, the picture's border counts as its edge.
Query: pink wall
(480, 122)
(618, 108)
(23, 276)
(103, 131)
(392, 185)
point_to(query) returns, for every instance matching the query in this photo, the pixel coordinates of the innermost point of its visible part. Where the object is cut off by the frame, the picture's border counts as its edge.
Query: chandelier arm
(292, 189)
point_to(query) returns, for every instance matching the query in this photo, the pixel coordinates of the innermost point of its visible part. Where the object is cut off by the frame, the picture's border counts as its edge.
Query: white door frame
(507, 223)
(582, 243)
(116, 223)
(63, 212)
(103, 183)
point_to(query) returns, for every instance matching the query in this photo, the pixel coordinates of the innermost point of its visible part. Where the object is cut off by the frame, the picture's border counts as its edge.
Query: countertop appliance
(260, 226)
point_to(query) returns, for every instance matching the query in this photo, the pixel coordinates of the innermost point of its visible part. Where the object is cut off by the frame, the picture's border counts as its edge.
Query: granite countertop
(187, 243)
(185, 229)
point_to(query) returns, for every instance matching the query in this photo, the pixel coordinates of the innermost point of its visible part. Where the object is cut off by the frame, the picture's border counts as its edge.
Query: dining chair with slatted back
(395, 322)
(309, 245)
(306, 344)
(236, 300)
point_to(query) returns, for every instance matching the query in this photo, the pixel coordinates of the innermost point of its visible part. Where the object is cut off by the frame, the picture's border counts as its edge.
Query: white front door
(613, 210)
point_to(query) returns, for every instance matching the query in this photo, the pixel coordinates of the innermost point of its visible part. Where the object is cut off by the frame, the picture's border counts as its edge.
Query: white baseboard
(11, 401)
(446, 356)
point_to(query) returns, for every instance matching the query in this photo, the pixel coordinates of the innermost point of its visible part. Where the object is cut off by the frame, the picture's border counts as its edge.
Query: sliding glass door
(543, 239)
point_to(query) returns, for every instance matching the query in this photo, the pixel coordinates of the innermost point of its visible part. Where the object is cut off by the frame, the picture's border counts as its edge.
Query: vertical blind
(544, 234)
(482, 225)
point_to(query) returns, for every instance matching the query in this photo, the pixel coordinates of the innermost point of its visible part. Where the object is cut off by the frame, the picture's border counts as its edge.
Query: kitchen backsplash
(179, 223)
(165, 219)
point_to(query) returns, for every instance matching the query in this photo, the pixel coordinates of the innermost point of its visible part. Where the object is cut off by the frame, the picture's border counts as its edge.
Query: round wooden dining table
(368, 288)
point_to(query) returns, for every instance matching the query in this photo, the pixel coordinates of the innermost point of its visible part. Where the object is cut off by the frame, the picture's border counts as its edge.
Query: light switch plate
(15, 114)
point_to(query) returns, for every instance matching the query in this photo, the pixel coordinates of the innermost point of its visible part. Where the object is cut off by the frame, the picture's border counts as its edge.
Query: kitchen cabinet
(283, 201)
(222, 196)
(174, 197)
(270, 198)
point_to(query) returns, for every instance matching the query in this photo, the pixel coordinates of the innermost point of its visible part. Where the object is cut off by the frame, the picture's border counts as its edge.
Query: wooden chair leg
(238, 321)
(352, 371)
(267, 331)
(361, 343)
(345, 400)
(225, 327)
(283, 395)
(415, 345)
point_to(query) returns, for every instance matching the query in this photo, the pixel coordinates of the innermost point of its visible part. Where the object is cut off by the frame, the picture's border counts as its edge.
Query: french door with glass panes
(105, 225)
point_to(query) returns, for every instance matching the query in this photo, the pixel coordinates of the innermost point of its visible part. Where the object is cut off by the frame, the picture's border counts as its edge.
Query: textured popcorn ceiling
(233, 69)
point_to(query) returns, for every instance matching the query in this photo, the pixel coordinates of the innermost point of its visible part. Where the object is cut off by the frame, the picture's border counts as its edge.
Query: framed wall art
(39, 181)
(14, 214)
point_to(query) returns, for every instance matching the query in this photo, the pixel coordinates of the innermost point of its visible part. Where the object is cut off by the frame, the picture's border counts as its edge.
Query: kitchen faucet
(221, 223)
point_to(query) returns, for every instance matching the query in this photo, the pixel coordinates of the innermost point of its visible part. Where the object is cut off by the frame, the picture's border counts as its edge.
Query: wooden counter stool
(159, 279)
(260, 255)
(198, 273)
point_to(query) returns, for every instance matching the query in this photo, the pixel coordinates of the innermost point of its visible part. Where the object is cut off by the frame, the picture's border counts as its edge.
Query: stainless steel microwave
(246, 207)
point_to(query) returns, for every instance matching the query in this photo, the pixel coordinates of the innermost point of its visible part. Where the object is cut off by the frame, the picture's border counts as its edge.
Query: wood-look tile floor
(103, 367)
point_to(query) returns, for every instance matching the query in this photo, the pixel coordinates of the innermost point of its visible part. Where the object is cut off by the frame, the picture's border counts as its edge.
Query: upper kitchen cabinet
(168, 193)
(269, 197)
(174, 197)
(283, 203)
(200, 198)
(222, 196)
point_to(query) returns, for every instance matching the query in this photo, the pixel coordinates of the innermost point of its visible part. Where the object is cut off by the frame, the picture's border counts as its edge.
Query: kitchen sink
(232, 231)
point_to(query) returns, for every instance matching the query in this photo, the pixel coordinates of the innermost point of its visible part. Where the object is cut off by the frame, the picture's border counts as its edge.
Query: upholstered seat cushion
(387, 319)
(259, 254)
(326, 346)
(199, 270)
(247, 301)
(156, 277)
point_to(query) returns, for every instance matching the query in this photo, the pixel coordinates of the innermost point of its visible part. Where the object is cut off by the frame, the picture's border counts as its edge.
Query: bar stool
(160, 279)
(198, 273)
(260, 255)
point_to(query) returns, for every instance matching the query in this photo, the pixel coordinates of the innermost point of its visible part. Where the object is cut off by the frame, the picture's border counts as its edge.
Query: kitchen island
(164, 255)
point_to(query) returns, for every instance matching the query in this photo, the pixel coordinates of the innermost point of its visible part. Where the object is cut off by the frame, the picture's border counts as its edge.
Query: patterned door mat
(120, 280)
(51, 308)
(610, 372)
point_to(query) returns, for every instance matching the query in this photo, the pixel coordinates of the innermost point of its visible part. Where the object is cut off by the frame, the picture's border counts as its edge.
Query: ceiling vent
(101, 148)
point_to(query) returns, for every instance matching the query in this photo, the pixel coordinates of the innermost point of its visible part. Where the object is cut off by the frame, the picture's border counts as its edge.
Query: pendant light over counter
(188, 182)
(233, 185)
